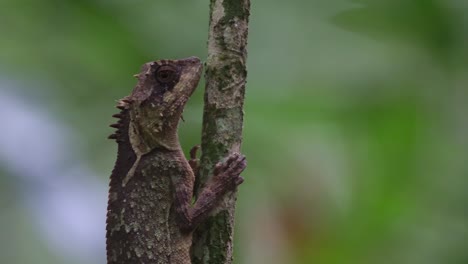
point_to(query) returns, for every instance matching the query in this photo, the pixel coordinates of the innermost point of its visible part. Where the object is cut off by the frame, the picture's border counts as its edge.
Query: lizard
(152, 211)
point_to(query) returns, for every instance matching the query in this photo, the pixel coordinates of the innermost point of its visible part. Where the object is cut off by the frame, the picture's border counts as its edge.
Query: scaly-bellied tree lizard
(151, 211)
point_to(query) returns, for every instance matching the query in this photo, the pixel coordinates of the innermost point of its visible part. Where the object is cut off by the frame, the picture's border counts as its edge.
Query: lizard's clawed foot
(229, 171)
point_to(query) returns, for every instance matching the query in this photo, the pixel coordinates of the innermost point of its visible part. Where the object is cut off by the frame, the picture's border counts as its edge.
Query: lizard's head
(158, 100)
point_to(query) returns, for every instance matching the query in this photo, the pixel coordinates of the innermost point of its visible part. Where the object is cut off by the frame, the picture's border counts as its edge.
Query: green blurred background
(356, 125)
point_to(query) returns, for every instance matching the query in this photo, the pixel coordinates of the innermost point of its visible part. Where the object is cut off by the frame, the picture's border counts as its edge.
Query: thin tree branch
(222, 119)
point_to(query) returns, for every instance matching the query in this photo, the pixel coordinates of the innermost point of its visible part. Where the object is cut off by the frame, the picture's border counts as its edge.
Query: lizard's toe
(239, 180)
(237, 166)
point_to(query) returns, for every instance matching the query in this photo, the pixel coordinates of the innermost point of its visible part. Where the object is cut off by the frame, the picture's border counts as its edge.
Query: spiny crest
(123, 105)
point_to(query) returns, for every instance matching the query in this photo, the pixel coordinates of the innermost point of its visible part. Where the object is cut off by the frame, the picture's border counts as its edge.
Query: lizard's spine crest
(123, 105)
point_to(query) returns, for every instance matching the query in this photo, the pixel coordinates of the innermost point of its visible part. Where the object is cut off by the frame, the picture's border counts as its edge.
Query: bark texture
(222, 120)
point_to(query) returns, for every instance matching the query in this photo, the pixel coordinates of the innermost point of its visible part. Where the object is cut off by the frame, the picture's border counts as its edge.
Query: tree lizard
(152, 211)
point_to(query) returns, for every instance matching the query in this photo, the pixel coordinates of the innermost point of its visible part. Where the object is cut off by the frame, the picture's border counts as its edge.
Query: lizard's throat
(145, 138)
(153, 126)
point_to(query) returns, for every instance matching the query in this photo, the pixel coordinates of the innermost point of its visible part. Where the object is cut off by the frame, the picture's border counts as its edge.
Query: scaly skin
(151, 217)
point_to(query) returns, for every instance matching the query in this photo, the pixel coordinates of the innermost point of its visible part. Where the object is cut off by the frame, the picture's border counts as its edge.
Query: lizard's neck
(149, 130)
(144, 143)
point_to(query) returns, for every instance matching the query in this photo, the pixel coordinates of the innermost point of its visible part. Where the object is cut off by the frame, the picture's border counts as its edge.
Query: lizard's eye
(166, 74)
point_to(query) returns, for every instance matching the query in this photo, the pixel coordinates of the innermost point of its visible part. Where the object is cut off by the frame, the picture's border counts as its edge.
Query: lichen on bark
(222, 119)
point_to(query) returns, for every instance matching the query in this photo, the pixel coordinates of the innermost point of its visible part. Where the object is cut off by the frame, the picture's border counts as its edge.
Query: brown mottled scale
(151, 217)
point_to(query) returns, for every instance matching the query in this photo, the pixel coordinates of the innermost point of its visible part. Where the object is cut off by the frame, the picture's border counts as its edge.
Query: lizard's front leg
(226, 177)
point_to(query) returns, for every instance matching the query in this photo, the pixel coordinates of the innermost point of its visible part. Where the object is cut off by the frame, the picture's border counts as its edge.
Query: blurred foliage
(356, 117)
(427, 23)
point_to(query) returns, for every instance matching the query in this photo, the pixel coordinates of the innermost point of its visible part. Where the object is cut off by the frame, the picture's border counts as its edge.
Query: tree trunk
(222, 120)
